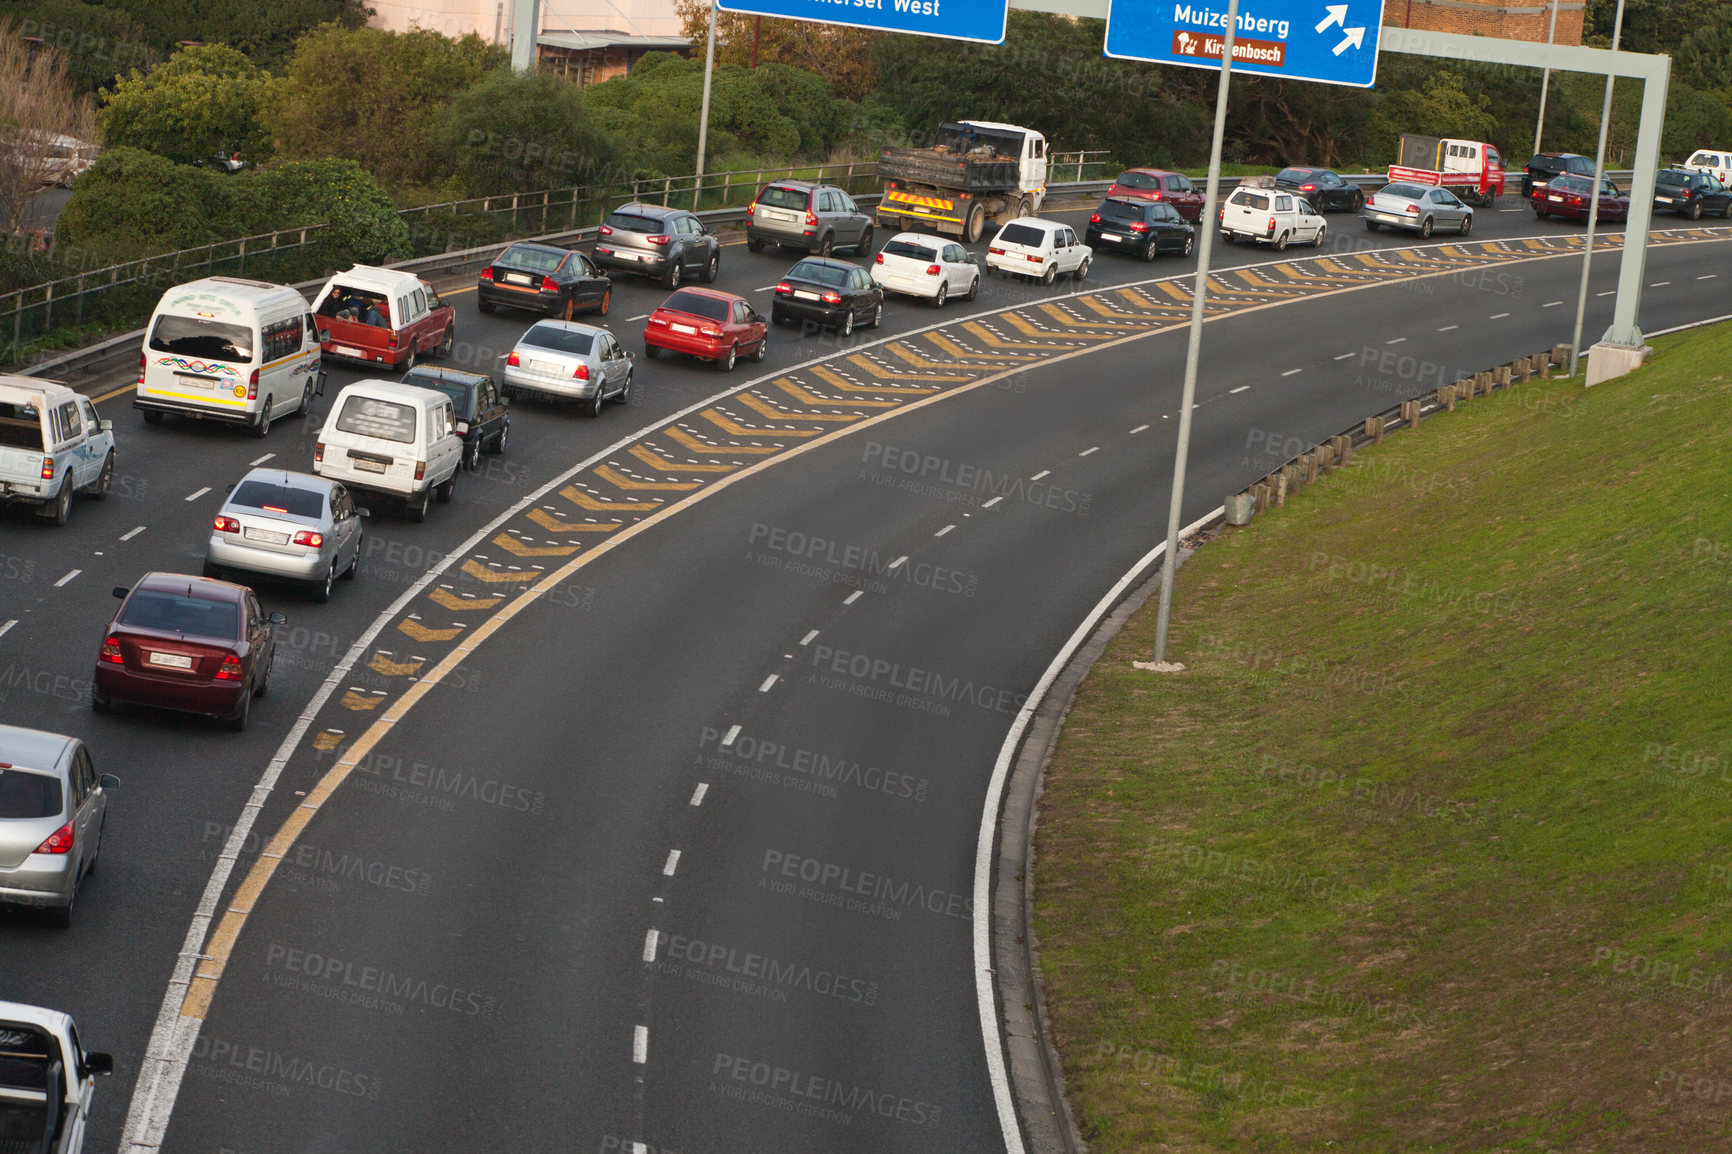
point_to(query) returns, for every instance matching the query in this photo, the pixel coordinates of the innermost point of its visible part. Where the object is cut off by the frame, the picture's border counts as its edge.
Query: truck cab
(47, 1081)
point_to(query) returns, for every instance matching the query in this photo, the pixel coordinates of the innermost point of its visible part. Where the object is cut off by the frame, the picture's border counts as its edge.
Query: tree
(1704, 57)
(204, 101)
(843, 56)
(1649, 25)
(100, 41)
(1446, 105)
(40, 108)
(513, 133)
(377, 97)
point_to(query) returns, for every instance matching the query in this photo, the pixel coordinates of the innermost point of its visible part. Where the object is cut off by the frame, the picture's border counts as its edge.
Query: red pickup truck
(381, 316)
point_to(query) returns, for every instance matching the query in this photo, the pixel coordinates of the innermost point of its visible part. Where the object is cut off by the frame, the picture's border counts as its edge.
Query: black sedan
(1140, 227)
(1691, 194)
(823, 292)
(1325, 189)
(483, 421)
(544, 278)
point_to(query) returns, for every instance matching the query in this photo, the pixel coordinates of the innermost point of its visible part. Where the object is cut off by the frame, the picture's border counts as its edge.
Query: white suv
(1039, 250)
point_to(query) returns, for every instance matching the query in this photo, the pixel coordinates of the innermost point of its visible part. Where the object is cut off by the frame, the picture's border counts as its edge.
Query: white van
(398, 440)
(226, 349)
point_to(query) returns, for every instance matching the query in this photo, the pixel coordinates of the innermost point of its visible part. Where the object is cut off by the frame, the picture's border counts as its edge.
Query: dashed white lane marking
(1448, 328)
(1240, 389)
(852, 597)
(197, 494)
(1660, 284)
(765, 289)
(131, 533)
(640, 317)
(69, 576)
(1607, 293)
(7, 628)
(1040, 474)
(1140, 428)
(1511, 210)
(1551, 304)
(1086, 452)
(698, 799)
(261, 460)
(991, 503)
(944, 530)
(1499, 316)
(1290, 372)
(768, 681)
(640, 1044)
(1709, 276)
(1346, 356)
(728, 738)
(672, 863)
(897, 564)
(807, 640)
(649, 946)
(1395, 340)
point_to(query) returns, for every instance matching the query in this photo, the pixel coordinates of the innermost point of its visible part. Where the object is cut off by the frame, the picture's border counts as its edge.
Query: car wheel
(104, 479)
(713, 269)
(1227, 238)
(472, 455)
(322, 589)
(651, 351)
(592, 410)
(847, 329)
(447, 489)
(1425, 227)
(974, 222)
(1082, 270)
(409, 362)
(1695, 212)
(939, 297)
(237, 720)
(763, 349)
(1540, 213)
(624, 394)
(1317, 241)
(60, 917)
(1725, 212)
(264, 685)
(449, 341)
(1151, 250)
(484, 306)
(1280, 244)
(1051, 273)
(877, 316)
(1024, 206)
(754, 245)
(864, 248)
(355, 561)
(825, 244)
(1190, 243)
(569, 307)
(1372, 226)
(672, 279)
(1466, 225)
(973, 289)
(152, 417)
(262, 427)
(727, 363)
(99, 703)
(601, 309)
(504, 436)
(58, 510)
(418, 506)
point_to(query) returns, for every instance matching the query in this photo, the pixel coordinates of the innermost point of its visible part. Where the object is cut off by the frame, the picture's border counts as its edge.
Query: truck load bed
(944, 169)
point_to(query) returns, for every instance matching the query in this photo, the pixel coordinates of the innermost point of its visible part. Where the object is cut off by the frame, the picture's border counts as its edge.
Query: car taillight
(111, 652)
(1414, 209)
(1155, 195)
(231, 669)
(487, 274)
(1095, 218)
(513, 360)
(60, 841)
(227, 525)
(657, 239)
(784, 288)
(253, 386)
(141, 364)
(1035, 259)
(751, 208)
(606, 231)
(549, 285)
(657, 320)
(933, 270)
(710, 331)
(309, 538)
(996, 251)
(1308, 188)
(318, 452)
(832, 297)
(581, 373)
(1139, 226)
(1271, 225)
(48, 468)
(890, 185)
(811, 217)
(879, 259)
(420, 470)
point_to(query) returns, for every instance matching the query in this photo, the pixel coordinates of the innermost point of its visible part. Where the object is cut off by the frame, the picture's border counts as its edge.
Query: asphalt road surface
(681, 853)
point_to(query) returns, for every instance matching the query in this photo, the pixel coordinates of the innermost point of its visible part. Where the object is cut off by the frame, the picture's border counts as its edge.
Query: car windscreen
(1409, 191)
(1139, 180)
(21, 426)
(631, 222)
(201, 337)
(1022, 234)
(1673, 177)
(778, 197)
(25, 795)
(909, 249)
(698, 305)
(1119, 210)
(1252, 200)
(531, 259)
(269, 497)
(822, 273)
(178, 613)
(458, 393)
(372, 417)
(558, 339)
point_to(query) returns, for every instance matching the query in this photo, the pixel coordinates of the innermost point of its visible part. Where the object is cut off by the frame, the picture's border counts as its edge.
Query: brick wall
(1502, 19)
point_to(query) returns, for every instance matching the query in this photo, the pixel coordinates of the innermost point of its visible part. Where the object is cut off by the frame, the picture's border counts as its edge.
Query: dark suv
(482, 418)
(665, 244)
(815, 218)
(1140, 227)
(1546, 165)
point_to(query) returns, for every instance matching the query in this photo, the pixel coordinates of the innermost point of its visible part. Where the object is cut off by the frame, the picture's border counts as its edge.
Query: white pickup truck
(52, 445)
(1262, 212)
(46, 1081)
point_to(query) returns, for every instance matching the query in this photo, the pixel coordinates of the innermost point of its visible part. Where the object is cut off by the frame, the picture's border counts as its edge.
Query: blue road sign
(1291, 39)
(981, 20)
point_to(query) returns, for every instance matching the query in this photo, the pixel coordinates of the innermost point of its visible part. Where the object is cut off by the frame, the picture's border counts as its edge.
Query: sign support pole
(704, 115)
(1594, 199)
(1193, 349)
(1546, 79)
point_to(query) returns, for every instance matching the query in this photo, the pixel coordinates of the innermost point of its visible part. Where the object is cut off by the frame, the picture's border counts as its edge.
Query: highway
(679, 849)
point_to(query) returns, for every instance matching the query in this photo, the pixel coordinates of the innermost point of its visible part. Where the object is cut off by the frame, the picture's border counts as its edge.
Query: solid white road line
(640, 1044)
(807, 640)
(199, 493)
(698, 793)
(261, 460)
(672, 863)
(768, 681)
(131, 533)
(649, 946)
(69, 576)
(7, 628)
(944, 530)
(851, 598)
(728, 738)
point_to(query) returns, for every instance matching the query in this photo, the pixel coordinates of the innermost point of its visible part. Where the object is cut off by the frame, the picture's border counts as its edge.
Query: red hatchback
(187, 643)
(716, 326)
(1172, 188)
(1568, 196)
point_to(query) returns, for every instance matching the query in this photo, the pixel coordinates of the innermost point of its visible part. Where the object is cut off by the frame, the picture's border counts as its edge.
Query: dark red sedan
(187, 643)
(1568, 196)
(1174, 188)
(716, 326)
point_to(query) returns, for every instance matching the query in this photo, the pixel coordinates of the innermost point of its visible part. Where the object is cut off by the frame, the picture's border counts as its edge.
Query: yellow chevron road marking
(555, 525)
(675, 433)
(885, 374)
(420, 632)
(668, 465)
(951, 348)
(361, 702)
(788, 386)
(385, 667)
(493, 577)
(986, 335)
(728, 425)
(1022, 325)
(517, 548)
(835, 380)
(620, 481)
(1065, 318)
(584, 501)
(451, 601)
(1096, 305)
(327, 741)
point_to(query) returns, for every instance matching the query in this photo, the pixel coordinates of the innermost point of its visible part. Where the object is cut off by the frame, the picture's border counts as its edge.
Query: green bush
(204, 101)
(517, 133)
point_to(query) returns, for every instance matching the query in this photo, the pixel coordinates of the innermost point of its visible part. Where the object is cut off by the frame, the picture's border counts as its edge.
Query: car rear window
(531, 259)
(459, 393)
(199, 337)
(778, 197)
(176, 613)
(25, 794)
(372, 417)
(909, 249)
(631, 222)
(560, 340)
(1546, 164)
(1296, 175)
(1410, 191)
(21, 426)
(1252, 200)
(1571, 184)
(1139, 180)
(822, 273)
(272, 498)
(699, 305)
(1673, 177)
(1022, 234)
(1119, 210)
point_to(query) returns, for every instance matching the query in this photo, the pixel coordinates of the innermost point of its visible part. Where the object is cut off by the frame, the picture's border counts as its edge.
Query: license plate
(195, 382)
(775, 214)
(1662, 200)
(1553, 196)
(683, 328)
(345, 351)
(545, 368)
(265, 535)
(171, 660)
(806, 296)
(517, 278)
(1111, 236)
(367, 466)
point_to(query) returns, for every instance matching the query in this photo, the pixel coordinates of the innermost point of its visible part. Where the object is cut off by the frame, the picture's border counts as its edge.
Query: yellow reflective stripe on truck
(909, 198)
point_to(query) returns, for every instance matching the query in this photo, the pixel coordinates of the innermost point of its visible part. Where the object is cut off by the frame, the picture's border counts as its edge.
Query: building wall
(1501, 19)
(483, 17)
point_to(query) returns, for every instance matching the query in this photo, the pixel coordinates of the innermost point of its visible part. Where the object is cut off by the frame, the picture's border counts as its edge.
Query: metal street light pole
(1193, 350)
(1594, 198)
(704, 115)
(1546, 79)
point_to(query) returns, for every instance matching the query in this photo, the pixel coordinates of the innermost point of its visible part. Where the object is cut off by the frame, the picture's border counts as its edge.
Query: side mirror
(108, 781)
(363, 512)
(107, 425)
(229, 488)
(630, 356)
(121, 591)
(276, 618)
(99, 1063)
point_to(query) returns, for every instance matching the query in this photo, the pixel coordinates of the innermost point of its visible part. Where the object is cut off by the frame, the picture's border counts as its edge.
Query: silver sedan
(291, 525)
(571, 361)
(1418, 207)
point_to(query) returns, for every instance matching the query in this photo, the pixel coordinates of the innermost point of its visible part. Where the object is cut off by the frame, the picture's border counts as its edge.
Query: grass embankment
(1430, 848)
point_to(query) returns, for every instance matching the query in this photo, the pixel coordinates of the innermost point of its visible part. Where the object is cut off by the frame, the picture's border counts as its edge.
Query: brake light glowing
(231, 669)
(48, 468)
(811, 217)
(784, 288)
(832, 297)
(273, 508)
(581, 373)
(663, 239)
(879, 259)
(310, 538)
(487, 274)
(227, 525)
(60, 841)
(318, 452)
(549, 285)
(253, 386)
(1308, 188)
(606, 231)
(933, 270)
(1139, 226)
(111, 652)
(420, 470)
(1155, 195)
(513, 360)
(1095, 218)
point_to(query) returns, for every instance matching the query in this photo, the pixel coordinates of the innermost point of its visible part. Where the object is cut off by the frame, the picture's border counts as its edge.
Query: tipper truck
(974, 170)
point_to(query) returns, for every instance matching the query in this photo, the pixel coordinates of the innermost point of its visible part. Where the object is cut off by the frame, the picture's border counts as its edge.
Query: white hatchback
(926, 266)
(1039, 249)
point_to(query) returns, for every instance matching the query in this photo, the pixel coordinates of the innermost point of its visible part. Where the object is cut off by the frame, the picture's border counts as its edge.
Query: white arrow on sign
(1337, 15)
(1355, 38)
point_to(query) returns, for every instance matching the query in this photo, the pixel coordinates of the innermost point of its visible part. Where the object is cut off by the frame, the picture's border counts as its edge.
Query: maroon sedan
(1172, 188)
(716, 326)
(187, 643)
(1568, 196)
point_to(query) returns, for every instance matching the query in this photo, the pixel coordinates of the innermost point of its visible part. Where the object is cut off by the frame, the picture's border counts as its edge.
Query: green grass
(1453, 746)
